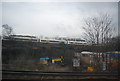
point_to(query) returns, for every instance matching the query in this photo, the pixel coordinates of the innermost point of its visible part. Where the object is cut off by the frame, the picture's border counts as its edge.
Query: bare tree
(98, 29)
(7, 30)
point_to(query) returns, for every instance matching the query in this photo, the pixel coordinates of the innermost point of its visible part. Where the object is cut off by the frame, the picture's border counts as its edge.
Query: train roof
(23, 36)
(86, 52)
(113, 53)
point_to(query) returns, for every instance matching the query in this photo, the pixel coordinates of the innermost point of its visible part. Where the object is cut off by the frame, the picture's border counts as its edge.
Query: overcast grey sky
(53, 18)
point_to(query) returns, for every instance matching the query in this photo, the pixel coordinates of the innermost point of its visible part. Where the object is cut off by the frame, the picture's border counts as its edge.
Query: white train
(24, 38)
(74, 41)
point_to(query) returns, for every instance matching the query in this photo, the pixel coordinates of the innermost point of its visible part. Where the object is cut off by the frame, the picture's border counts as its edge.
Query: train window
(43, 40)
(84, 55)
(54, 41)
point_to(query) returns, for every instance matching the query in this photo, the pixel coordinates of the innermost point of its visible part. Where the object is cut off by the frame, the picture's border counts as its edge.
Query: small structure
(90, 69)
(44, 60)
(76, 62)
(52, 60)
(84, 61)
(57, 60)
